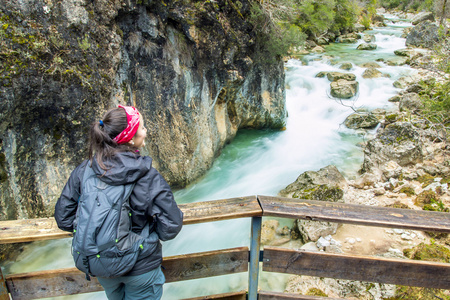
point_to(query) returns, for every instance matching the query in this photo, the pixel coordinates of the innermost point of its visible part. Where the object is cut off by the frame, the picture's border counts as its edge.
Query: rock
(372, 73)
(404, 82)
(322, 41)
(310, 246)
(366, 179)
(395, 98)
(423, 16)
(368, 38)
(405, 52)
(370, 65)
(344, 89)
(327, 184)
(348, 38)
(424, 35)
(359, 27)
(318, 49)
(321, 74)
(379, 191)
(411, 102)
(361, 120)
(322, 243)
(396, 61)
(414, 88)
(392, 169)
(268, 231)
(398, 142)
(310, 44)
(367, 46)
(346, 66)
(83, 57)
(314, 230)
(335, 76)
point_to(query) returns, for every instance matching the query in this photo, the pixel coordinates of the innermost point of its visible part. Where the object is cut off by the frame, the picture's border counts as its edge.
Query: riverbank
(410, 171)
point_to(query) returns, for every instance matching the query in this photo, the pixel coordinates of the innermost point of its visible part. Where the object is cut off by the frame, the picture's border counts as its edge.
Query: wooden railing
(52, 283)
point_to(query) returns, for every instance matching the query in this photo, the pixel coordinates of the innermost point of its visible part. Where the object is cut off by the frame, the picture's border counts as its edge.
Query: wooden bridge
(52, 283)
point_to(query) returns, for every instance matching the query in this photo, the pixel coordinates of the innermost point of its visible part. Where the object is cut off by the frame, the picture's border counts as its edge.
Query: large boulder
(361, 120)
(335, 76)
(398, 142)
(327, 184)
(425, 35)
(423, 16)
(344, 89)
(408, 52)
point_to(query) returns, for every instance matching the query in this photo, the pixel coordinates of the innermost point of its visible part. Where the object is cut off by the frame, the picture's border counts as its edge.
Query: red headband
(132, 125)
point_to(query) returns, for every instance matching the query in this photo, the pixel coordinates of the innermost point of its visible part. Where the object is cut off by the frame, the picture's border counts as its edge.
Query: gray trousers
(147, 286)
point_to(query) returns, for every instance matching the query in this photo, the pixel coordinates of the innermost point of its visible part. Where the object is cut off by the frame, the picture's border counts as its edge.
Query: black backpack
(103, 244)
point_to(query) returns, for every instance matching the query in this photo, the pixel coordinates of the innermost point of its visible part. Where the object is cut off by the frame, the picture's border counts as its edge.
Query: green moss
(321, 192)
(417, 293)
(407, 190)
(316, 292)
(426, 180)
(432, 252)
(426, 197)
(398, 204)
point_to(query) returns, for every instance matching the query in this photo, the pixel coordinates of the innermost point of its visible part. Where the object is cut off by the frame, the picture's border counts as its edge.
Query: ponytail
(102, 133)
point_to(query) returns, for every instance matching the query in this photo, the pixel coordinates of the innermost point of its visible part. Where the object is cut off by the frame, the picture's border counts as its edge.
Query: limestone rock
(313, 230)
(423, 16)
(346, 66)
(321, 74)
(344, 89)
(367, 46)
(398, 142)
(425, 34)
(327, 184)
(410, 102)
(348, 38)
(335, 76)
(318, 49)
(372, 73)
(404, 82)
(361, 120)
(370, 65)
(369, 38)
(405, 52)
(179, 64)
(359, 27)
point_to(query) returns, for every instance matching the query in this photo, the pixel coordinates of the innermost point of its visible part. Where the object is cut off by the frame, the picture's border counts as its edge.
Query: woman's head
(121, 129)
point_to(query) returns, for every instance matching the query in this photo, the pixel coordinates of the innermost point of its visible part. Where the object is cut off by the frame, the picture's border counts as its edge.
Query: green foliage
(316, 17)
(275, 32)
(346, 15)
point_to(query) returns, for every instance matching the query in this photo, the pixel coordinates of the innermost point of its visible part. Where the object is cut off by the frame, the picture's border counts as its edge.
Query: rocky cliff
(193, 68)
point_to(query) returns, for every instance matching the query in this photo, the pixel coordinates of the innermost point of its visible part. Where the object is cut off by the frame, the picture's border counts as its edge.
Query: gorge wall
(193, 68)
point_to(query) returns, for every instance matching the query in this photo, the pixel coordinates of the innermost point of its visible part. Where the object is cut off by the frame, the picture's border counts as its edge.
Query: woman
(114, 158)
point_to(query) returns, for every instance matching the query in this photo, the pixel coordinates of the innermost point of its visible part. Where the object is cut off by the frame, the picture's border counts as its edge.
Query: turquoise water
(264, 162)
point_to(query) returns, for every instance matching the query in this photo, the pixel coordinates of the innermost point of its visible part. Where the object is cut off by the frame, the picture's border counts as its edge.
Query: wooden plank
(205, 264)
(242, 295)
(361, 268)
(355, 214)
(60, 282)
(266, 295)
(52, 283)
(29, 230)
(217, 210)
(17, 231)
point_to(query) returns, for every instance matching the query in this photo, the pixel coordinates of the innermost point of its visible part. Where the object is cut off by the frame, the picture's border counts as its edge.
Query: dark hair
(101, 136)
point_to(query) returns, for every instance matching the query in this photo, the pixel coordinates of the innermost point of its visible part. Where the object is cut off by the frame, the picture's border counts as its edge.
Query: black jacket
(151, 200)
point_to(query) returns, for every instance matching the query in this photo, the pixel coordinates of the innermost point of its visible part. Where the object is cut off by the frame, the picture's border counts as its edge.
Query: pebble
(398, 231)
(351, 240)
(405, 236)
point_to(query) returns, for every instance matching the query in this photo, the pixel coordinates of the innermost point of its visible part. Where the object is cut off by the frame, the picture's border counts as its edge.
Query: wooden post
(253, 268)
(4, 295)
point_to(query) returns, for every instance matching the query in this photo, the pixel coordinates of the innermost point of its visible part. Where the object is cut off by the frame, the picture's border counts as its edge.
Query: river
(264, 162)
